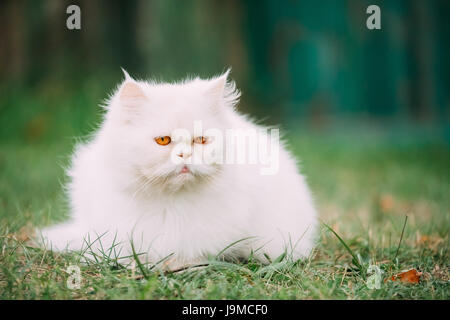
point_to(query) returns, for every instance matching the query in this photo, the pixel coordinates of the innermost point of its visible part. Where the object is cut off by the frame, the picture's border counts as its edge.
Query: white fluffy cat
(125, 185)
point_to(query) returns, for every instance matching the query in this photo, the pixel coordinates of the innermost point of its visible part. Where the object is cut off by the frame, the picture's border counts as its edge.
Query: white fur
(123, 185)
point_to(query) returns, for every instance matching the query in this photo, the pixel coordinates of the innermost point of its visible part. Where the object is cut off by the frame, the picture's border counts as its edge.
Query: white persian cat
(138, 180)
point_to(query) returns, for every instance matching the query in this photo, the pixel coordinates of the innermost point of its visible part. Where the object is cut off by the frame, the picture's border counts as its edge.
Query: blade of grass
(401, 238)
(355, 259)
(160, 261)
(136, 258)
(280, 257)
(230, 245)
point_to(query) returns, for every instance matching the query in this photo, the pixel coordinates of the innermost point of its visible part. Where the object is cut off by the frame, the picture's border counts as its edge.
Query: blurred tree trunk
(422, 31)
(12, 40)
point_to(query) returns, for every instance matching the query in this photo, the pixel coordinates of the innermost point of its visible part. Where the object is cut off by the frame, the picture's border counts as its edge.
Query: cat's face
(164, 130)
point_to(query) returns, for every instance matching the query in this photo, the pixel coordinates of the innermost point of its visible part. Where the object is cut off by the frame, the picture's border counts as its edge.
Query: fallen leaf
(24, 234)
(386, 203)
(430, 241)
(423, 239)
(411, 276)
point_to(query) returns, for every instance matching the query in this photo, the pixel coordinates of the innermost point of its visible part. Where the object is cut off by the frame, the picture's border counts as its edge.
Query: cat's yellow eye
(200, 140)
(163, 141)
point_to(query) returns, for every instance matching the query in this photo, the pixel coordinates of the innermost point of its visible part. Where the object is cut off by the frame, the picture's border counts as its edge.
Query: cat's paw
(60, 238)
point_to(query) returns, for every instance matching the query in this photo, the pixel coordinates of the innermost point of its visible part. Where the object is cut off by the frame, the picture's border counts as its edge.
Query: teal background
(301, 64)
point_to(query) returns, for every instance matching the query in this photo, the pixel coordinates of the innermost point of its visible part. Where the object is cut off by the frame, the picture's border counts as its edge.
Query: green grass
(364, 185)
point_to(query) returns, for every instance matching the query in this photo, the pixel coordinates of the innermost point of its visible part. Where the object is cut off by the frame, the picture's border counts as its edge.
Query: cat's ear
(223, 91)
(127, 76)
(131, 93)
(216, 86)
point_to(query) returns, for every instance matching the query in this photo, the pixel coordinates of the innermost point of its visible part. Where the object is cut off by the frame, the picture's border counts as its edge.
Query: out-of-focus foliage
(296, 61)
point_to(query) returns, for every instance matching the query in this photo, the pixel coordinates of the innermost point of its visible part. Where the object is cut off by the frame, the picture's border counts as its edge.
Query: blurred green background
(366, 110)
(301, 64)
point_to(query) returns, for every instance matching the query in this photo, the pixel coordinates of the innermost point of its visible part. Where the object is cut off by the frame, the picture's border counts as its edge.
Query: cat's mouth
(185, 173)
(185, 170)
(179, 176)
(182, 176)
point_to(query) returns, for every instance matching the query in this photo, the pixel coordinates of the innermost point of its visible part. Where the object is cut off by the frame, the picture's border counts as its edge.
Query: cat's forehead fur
(176, 94)
(169, 106)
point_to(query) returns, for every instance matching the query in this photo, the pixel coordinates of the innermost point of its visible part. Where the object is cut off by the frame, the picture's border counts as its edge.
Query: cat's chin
(183, 178)
(177, 181)
(180, 182)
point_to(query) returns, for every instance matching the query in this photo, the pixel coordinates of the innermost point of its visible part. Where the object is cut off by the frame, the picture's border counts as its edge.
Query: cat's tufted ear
(131, 94)
(216, 87)
(127, 76)
(222, 91)
(131, 98)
